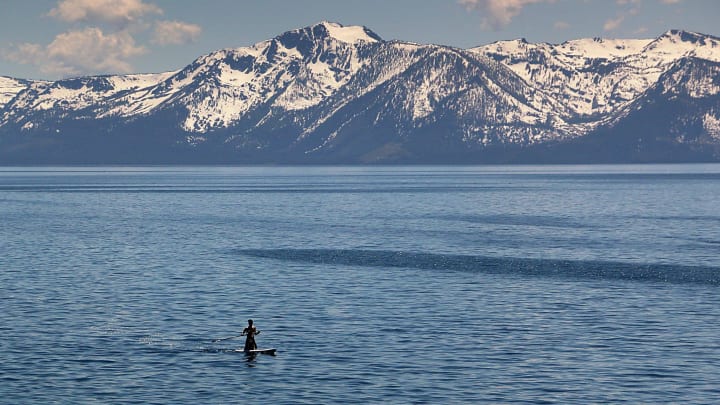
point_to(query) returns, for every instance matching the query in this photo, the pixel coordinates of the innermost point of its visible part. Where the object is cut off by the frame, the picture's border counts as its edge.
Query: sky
(53, 39)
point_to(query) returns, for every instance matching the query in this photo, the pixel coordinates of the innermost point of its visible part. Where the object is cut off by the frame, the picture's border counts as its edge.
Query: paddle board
(259, 351)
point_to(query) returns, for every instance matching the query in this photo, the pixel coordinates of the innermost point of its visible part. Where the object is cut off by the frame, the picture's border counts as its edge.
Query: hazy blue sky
(50, 39)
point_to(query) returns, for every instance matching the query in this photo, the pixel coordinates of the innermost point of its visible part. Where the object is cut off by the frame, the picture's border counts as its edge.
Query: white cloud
(499, 13)
(561, 25)
(613, 23)
(670, 1)
(108, 11)
(88, 49)
(175, 33)
(81, 52)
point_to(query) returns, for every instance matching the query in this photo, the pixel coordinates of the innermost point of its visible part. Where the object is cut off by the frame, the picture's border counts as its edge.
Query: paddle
(225, 338)
(231, 337)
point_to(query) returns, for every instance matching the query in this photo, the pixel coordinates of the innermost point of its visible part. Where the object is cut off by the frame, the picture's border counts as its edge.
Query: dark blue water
(577, 284)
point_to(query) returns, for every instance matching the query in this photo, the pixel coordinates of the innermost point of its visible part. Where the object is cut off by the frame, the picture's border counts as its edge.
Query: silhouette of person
(250, 332)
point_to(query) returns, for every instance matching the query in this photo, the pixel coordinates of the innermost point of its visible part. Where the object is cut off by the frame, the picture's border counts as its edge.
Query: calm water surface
(572, 284)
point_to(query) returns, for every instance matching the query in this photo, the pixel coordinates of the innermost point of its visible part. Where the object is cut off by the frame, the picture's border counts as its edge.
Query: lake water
(527, 284)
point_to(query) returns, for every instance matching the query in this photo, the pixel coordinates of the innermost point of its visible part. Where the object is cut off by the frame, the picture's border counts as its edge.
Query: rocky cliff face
(334, 94)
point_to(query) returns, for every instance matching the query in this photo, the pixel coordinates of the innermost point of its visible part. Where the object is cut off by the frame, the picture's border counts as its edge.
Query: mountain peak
(350, 34)
(326, 29)
(678, 43)
(685, 36)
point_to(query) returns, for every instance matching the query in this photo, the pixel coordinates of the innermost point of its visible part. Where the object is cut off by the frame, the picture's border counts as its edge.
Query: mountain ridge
(328, 93)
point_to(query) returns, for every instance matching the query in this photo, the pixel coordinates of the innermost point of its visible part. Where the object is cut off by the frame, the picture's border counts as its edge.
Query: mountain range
(331, 94)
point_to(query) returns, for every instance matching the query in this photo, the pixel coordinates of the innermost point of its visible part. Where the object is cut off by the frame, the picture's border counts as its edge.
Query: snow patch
(711, 124)
(9, 88)
(350, 35)
(597, 48)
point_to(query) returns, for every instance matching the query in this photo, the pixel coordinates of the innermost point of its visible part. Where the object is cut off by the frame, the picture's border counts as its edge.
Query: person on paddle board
(250, 332)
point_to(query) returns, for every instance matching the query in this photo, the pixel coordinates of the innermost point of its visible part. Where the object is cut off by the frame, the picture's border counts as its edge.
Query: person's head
(250, 322)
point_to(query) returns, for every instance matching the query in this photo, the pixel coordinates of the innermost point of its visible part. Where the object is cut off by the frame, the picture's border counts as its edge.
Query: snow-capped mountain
(9, 88)
(330, 93)
(591, 77)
